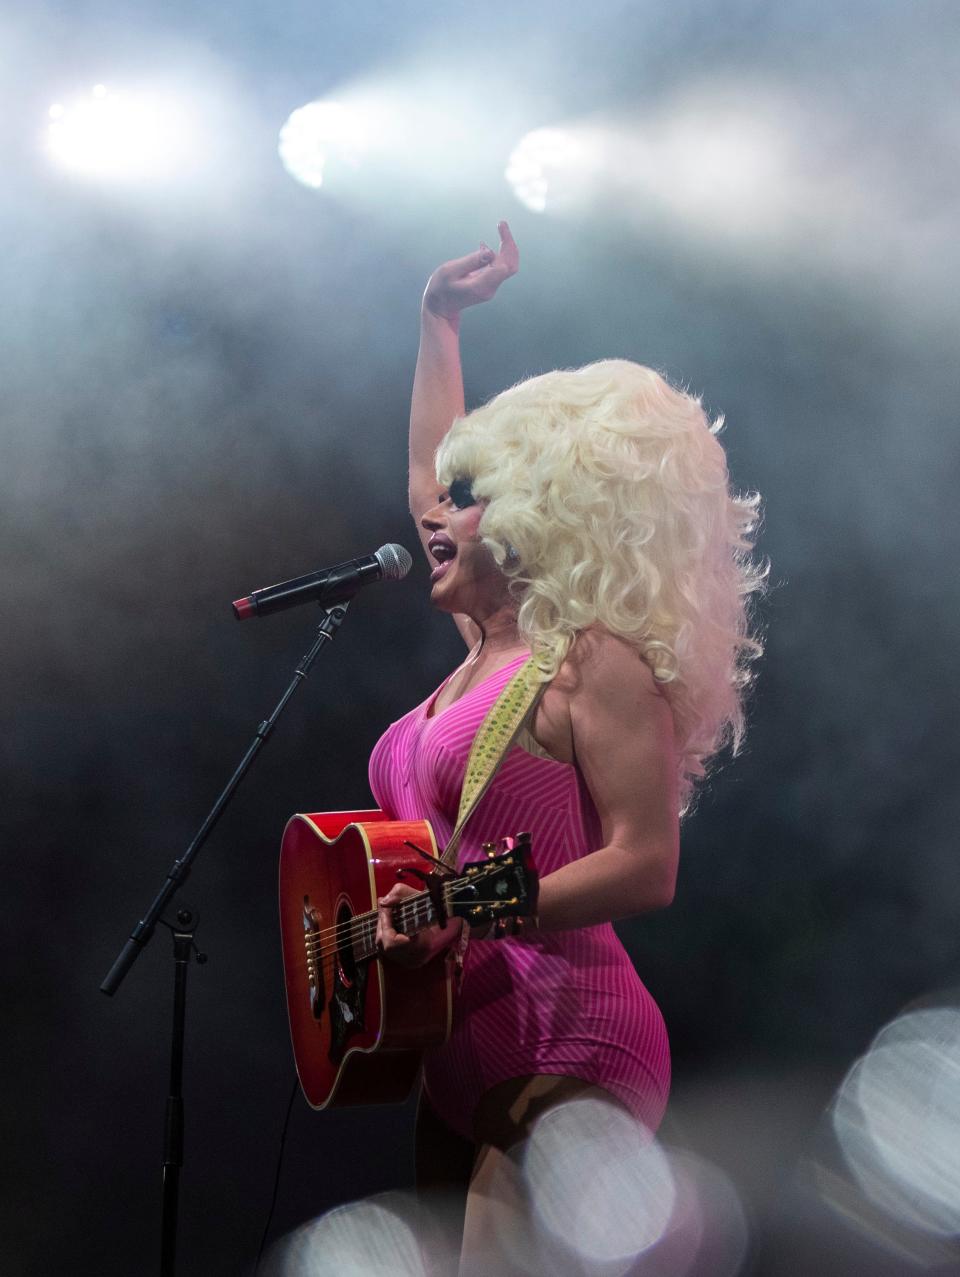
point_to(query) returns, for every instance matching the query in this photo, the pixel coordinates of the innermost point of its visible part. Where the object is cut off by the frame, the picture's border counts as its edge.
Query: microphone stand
(183, 944)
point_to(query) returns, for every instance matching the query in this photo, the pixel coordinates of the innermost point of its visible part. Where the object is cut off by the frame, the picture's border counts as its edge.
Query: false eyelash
(461, 495)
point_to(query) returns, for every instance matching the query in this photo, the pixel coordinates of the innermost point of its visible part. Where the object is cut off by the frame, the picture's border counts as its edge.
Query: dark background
(204, 385)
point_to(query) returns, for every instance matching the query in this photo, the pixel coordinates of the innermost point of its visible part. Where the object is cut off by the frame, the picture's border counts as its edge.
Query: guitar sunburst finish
(358, 1025)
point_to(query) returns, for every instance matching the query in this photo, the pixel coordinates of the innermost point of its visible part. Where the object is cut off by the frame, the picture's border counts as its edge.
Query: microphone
(329, 585)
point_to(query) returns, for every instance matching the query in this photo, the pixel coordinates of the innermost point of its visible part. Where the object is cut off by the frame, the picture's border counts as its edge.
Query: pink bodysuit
(566, 1002)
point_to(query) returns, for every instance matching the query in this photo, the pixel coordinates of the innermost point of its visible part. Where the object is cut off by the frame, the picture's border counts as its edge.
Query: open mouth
(444, 551)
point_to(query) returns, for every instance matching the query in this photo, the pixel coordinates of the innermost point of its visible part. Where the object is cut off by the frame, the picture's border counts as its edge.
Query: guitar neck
(409, 917)
(497, 887)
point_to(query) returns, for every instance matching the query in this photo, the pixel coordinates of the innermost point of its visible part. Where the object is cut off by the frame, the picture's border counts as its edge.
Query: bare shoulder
(622, 731)
(601, 666)
(603, 684)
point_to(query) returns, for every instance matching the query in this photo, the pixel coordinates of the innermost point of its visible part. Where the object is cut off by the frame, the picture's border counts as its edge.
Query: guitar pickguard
(349, 993)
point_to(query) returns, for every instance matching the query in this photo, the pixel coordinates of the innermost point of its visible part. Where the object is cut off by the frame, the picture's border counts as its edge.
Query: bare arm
(437, 402)
(622, 731)
(438, 381)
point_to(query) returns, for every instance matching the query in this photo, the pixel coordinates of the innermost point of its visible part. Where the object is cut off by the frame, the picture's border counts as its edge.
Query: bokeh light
(589, 1193)
(897, 1120)
(598, 1183)
(707, 1235)
(370, 1238)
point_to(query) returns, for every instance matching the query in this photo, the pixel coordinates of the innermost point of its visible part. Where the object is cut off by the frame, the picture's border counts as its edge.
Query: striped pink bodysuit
(566, 1002)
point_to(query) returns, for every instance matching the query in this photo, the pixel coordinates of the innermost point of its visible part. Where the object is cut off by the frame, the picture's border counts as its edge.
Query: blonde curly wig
(608, 503)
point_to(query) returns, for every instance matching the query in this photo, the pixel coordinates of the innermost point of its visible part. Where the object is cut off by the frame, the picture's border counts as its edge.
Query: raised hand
(473, 279)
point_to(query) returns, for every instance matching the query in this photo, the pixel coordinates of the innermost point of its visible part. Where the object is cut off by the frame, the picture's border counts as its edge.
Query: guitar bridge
(311, 940)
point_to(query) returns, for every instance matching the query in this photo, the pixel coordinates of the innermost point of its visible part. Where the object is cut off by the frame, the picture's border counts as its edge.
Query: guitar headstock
(504, 885)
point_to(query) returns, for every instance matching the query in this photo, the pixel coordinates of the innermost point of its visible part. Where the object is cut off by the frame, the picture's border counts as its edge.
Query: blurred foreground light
(897, 1120)
(608, 1200)
(543, 167)
(707, 1235)
(119, 135)
(372, 1238)
(320, 132)
(599, 1184)
(590, 1193)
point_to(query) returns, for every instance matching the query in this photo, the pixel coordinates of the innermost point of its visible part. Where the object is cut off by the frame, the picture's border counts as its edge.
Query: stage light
(119, 135)
(897, 1120)
(706, 162)
(320, 132)
(542, 167)
(722, 169)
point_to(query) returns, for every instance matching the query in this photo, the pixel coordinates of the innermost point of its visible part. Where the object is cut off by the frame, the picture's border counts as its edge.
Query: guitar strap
(499, 730)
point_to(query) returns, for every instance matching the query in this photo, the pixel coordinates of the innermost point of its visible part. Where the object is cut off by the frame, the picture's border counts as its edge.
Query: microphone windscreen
(394, 560)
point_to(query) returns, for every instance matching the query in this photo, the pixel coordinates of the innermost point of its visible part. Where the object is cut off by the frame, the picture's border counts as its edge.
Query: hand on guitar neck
(417, 949)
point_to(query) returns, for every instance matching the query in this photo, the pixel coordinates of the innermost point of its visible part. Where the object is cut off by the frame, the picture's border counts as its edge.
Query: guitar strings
(412, 901)
(403, 907)
(357, 919)
(324, 952)
(318, 948)
(322, 955)
(320, 943)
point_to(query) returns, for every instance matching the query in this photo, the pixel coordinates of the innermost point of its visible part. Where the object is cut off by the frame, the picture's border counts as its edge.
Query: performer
(584, 516)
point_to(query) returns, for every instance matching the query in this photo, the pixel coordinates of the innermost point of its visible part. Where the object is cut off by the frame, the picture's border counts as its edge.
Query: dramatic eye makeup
(461, 495)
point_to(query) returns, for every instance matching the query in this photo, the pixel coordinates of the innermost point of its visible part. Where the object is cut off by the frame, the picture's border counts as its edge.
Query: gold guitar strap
(499, 730)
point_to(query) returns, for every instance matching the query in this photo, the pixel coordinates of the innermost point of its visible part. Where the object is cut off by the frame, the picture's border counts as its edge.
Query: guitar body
(358, 1025)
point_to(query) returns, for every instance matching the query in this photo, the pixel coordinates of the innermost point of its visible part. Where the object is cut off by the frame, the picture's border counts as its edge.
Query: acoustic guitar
(359, 1025)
